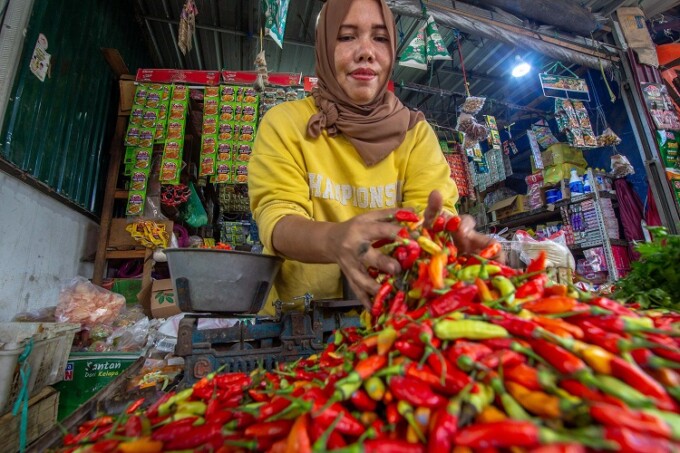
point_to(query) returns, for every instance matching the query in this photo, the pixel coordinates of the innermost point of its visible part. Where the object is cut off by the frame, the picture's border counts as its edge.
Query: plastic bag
(130, 337)
(45, 314)
(82, 302)
(415, 55)
(193, 212)
(556, 250)
(621, 166)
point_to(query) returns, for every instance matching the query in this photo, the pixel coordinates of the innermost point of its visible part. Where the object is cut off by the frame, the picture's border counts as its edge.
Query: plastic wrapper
(556, 250)
(608, 138)
(474, 131)
(45, 314)
(534, 198)
(82, 302)
(415, 55)
(621, 166)
(131, 337)
(473, 105)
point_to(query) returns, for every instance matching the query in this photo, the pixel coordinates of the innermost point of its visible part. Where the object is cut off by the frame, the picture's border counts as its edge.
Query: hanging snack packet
(435, 48)
(472, 105)
(275, 13)
(415, 55)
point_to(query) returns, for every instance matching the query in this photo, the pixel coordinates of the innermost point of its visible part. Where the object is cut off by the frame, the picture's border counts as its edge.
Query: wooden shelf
(120, 194)
(125, 254)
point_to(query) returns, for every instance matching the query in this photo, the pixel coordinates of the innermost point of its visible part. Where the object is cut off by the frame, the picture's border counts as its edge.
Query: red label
(189, 77)
(310, 82)
(275, 78)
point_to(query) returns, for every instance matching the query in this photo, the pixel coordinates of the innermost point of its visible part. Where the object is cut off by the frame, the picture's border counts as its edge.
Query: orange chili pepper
(554, 304)
(484, 292)
(559, 327)
(555, 290)
(141, 445)
(298, 439)
(490, 414)
(536, 402)
(437, 269)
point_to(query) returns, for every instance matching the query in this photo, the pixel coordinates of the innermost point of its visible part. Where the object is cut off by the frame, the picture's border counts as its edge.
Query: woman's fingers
(435, 203)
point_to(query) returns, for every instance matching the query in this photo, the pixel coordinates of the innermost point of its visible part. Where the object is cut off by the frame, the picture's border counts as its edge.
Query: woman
(327, 172)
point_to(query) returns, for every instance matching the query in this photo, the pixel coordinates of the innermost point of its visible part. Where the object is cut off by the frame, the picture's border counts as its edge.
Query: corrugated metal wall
(58, 131)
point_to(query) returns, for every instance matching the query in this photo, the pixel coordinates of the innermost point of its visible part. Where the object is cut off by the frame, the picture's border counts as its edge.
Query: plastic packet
(473, 105)
(435, 47)
(556, 250)
(45, 314)
(130, 337)
(82, 302)
(608, 138)
(621, 166)
(415, 55)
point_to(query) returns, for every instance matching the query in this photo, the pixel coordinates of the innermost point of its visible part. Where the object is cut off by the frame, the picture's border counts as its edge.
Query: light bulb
(521, 69)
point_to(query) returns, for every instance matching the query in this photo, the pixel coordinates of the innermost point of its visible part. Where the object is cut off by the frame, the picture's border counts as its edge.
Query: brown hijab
(375, 129)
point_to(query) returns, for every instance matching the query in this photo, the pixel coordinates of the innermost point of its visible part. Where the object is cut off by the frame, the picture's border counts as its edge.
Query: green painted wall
(58, 131)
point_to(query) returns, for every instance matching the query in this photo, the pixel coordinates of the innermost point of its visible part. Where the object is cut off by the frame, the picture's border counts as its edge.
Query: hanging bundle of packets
(171, 162)
(147, 125)
(573, 120)
(230, 116)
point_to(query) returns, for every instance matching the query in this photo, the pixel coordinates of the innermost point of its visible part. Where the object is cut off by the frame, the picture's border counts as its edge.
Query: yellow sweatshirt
(325, 179)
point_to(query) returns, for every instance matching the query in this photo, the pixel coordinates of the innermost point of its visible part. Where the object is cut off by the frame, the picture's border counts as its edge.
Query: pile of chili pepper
(459, 353)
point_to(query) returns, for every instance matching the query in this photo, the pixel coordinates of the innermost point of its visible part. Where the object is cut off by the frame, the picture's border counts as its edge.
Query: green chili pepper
(483, 271)
(505, 286)
(449, 329)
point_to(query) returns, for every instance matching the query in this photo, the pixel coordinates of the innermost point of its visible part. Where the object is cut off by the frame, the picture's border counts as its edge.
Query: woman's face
(362, 52)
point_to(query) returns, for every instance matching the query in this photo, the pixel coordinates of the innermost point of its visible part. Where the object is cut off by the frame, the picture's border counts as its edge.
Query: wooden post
(116, 156)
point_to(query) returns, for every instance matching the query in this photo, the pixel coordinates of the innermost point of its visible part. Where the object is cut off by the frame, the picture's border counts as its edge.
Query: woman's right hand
(349, 245)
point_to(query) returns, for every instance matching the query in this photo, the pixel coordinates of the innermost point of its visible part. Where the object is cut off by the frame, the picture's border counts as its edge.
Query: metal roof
(227, 37)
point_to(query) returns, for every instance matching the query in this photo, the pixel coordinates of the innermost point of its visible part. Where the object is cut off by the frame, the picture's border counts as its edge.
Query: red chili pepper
(392, 414)
(380, 297)
(561, 359)
(231, 381)
(398, 305)
(135, 405)
(453, 300)
(369, 366)
(425, 374)
(454, 379)
(410, 350)
(438, 224)
(415, 392)
(534, 288)
(624, 417)
(392, 446)
(452, 253)
(133, 426)
(452, 224)
(277, 404)
(599, 337)
(537, 264)
(502, 343)
(518, 327)
(490, 251)
(269, 429)
(174, 429)
(641, 381)
(632, 442)
(403, 215)
(468, 348)
(502, 434)
(523, 374)
(105, 446)
(613, 306)
(559, 327)
(347, 424)
(504, 358)
(362, 401)
(335, 439)
(560, 448)
(97, 422)
(443, 427)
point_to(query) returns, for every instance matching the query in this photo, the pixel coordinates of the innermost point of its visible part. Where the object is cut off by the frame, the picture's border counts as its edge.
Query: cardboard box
(163, 300)
(87, 373)
(509, 207)
(127, 95)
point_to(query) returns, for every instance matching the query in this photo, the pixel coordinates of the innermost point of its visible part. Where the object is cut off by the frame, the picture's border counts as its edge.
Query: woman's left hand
(466, 239)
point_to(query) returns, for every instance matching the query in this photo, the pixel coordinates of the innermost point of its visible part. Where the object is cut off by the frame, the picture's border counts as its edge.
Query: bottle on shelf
(575, 184)
(586, 182)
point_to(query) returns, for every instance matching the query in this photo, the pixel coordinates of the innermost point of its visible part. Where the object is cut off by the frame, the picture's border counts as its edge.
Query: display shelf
(580, 248)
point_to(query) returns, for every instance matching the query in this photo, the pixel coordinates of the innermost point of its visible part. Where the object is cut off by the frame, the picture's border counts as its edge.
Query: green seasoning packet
(415, 55)
(435, 48)
(275, 12)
